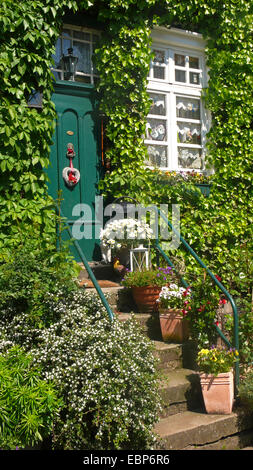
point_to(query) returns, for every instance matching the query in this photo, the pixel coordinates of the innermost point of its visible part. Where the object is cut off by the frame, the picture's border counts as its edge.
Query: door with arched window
(75, 154)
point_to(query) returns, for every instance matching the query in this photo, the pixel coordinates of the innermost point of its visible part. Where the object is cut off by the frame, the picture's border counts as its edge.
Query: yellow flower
(203, 352)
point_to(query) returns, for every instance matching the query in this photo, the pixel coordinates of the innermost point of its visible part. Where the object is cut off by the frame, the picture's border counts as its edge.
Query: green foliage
(203, 315)
(28, 404)
(216, 227)
(246, 390)
(154, 277)
(105, 373)
(29, 277)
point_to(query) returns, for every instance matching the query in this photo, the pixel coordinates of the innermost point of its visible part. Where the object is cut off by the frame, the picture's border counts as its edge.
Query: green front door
(77, 124)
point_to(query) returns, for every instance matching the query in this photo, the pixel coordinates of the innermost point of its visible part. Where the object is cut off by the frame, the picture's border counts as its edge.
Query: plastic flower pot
(218, 392)
(174, 327)
(146, 298)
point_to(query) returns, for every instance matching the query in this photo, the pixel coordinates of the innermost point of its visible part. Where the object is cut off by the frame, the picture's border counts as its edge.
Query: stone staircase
(183, 424)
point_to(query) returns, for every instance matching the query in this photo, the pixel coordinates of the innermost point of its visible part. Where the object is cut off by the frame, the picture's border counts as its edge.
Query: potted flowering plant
(198, 179)
(217, 379)
(174, 306)
(146, 286)
(121, 234)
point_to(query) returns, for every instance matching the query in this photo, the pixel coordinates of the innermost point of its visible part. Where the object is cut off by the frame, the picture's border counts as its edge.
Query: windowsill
(70, 83)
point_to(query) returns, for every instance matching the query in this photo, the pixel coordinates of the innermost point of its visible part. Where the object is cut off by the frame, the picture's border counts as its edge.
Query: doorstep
(102, 283)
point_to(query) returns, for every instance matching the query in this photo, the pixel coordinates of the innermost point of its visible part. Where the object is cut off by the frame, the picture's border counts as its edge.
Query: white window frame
(91, 77)
(175, 41)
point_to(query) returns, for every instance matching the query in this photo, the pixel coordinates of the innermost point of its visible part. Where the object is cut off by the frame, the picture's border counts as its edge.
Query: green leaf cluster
(216, 227)
(219, 226)
(28, 404)
(30, 276)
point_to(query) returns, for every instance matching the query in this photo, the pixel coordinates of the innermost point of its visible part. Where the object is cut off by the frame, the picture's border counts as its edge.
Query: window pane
(194, 62)
(180, 60)
(82, 51)
(157, 155)
(94, 46)
(35, 99)
(189, 158)
(180, 76)
(66, 44)
(156, 129)
(81, 35)
(95, 38)
(57, 75)
(66, 33)
(57, 56)
(188, 133)
(159, 72)
(158, 105)
(194, 78)
(188, 108)
(159, 56)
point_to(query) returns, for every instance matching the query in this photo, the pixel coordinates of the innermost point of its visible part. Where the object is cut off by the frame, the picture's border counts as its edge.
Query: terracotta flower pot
(174, 327)
(218, 392)
(146, 298)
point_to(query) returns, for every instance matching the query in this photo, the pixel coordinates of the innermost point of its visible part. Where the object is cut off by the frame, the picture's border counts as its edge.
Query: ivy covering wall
(219, 228)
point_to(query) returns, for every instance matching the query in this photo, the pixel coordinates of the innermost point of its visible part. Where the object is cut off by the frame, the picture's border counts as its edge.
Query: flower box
(218, 392)
(174, 327)
(146, 297)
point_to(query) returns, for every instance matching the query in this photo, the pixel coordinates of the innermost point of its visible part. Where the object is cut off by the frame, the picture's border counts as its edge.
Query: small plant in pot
(217, 378)
(174, 308)
(146, 286)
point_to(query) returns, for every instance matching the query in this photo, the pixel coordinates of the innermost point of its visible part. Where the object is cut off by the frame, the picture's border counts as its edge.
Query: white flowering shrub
(105, 372)
(125, 232)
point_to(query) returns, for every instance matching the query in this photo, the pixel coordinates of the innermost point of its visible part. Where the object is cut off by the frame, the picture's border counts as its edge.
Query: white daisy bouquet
(125, 232)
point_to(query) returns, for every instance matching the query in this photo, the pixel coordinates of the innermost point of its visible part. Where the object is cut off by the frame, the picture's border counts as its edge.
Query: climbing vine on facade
(217, 227)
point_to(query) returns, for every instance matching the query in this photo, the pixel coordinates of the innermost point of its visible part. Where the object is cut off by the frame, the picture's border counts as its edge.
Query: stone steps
(180, 391)
(193, 430)
(183, 424)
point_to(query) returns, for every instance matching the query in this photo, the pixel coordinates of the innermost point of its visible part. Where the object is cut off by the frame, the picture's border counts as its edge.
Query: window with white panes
(83, 42)
(176, 124)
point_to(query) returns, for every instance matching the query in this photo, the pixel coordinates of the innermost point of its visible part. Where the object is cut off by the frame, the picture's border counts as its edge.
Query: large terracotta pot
(218, 392)
(174, 327)
(146, 298)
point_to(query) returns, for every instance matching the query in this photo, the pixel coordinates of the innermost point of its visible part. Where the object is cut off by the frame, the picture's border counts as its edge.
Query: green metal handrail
(86, 264)
(217, 282)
